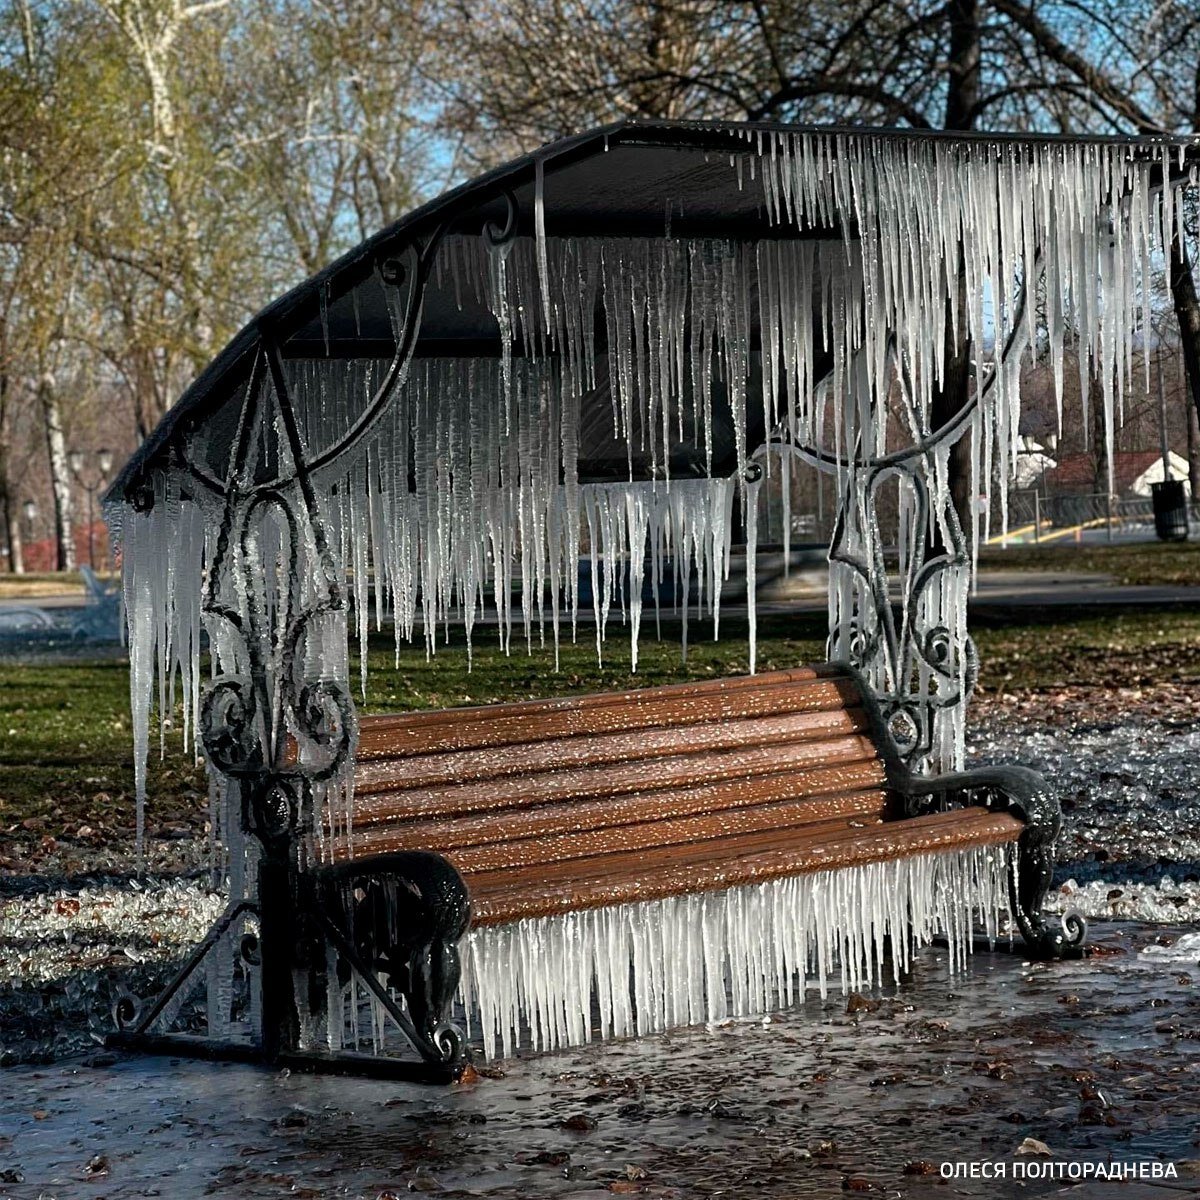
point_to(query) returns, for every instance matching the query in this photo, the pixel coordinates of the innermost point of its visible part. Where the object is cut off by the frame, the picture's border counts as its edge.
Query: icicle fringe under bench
(702, 958)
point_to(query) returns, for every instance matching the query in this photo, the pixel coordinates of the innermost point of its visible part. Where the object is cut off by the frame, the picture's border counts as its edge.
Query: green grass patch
(1167, 563)
(35, 586)
(1122, 650)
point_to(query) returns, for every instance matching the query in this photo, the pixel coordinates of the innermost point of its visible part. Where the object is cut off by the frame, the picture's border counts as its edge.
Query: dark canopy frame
(648, 179)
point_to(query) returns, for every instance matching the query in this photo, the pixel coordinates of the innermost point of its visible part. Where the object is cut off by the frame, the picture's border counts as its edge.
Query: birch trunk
(60, 472)
(12, 516)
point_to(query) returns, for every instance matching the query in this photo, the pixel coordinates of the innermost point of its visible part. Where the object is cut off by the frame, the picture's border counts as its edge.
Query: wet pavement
(1096, 1059)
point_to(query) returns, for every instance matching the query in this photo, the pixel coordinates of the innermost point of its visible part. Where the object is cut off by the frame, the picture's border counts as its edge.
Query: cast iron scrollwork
(941, 660)
(919, 666)
(398, 918)
(273, 723)
(248, 714)
(1025, 795)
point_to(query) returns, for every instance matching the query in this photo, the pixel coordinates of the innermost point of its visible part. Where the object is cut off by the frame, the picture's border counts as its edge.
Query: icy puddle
(1096, 1059)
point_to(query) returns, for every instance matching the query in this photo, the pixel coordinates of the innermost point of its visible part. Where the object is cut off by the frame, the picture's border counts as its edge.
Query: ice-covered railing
(468, 490)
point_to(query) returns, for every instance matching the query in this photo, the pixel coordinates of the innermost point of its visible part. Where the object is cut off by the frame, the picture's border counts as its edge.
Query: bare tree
(336, 128)
(1138, 62)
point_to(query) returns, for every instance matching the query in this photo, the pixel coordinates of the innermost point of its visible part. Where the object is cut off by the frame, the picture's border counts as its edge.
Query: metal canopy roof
(632, 179)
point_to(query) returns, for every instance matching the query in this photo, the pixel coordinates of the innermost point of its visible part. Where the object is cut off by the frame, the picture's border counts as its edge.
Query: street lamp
(91, 482)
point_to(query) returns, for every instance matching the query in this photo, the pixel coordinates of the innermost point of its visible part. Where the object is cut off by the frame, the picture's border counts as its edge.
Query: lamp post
(91, 482)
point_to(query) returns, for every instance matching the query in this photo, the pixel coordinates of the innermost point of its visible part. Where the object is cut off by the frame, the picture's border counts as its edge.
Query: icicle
(539, 228)
(688, 959)
(470, 484)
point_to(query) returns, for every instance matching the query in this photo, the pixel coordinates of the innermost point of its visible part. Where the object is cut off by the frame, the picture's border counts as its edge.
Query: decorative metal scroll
(265, 724)
(915, 655)
(258, 599)
(920, 661)
(278, 721)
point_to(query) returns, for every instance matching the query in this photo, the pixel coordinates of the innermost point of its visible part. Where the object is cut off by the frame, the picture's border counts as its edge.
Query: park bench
(550, 810)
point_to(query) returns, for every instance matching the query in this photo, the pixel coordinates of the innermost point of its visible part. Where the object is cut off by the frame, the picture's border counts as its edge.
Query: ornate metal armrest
(1025, 795)
(401, 915)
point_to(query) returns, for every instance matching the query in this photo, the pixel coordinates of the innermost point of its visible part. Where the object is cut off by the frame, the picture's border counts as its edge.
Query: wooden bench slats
(590, 700)
(593, 782)
(580, 802)
(821, 788)
(618, 868)
(463, 766)
(564, 830)
(788, 819)
(504, 896)
(497, 728)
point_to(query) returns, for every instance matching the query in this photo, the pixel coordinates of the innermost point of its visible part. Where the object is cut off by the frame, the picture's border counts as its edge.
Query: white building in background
(1154, 474)
(1032, 463)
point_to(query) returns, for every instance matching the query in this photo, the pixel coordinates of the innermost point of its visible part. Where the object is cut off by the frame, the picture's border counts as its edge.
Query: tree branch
(894, 105)
(1104, 88)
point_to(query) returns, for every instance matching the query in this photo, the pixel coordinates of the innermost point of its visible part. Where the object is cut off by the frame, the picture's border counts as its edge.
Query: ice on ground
(1186, 950)
(48, 936)
(1128, 782)
(1166, 902)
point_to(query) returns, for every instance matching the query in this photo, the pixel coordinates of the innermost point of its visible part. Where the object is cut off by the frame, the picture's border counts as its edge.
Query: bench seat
(615, 803)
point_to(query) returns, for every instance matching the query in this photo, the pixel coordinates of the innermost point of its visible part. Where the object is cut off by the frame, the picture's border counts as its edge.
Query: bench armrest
(1026, 795)
(1015, 790)
(401, 915)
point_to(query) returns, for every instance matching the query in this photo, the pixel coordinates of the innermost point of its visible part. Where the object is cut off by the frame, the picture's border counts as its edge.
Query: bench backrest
(514, 785)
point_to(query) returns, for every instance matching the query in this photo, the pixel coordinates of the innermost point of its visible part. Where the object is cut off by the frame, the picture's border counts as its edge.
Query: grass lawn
(66, 762)
(1174, 563)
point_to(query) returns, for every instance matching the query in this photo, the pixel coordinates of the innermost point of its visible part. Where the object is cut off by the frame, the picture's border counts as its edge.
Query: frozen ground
(1126, 765)
(1095, 1059)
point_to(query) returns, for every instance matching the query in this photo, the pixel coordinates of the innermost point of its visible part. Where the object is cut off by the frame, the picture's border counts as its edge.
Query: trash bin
(1170, 510)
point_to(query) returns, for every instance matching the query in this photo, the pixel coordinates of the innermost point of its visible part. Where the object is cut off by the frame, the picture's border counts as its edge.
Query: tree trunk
(962, 98)
(1187, 312)
(962, 89)
(60, 472)
(12, 516)
(1192, 416)
(951, 398)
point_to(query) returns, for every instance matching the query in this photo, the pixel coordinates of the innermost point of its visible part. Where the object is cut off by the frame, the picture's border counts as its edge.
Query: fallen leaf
(1032, 1146)
(579, 1123)
(921, 1167)
(97, 1166)
(859, 1003)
